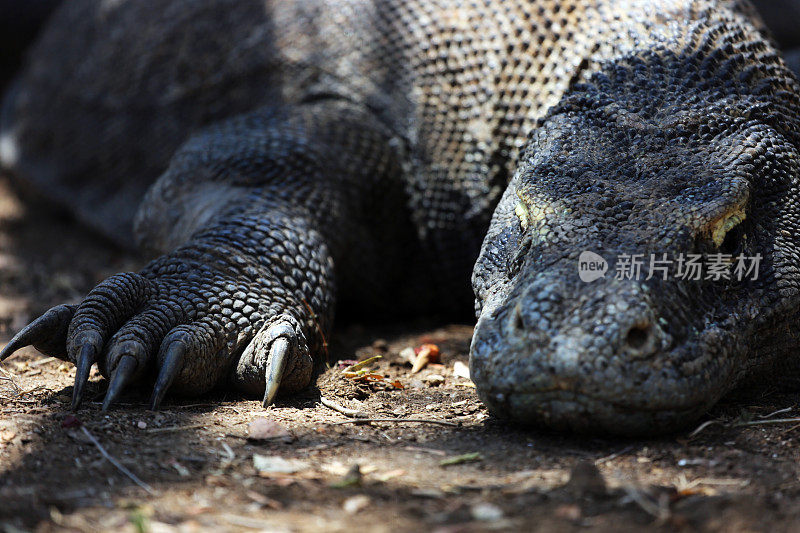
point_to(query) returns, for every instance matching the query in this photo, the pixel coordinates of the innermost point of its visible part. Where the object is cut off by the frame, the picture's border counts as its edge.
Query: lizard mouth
(572, 411)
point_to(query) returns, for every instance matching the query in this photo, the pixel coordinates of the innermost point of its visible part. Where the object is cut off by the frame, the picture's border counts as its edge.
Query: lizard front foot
(191, 329)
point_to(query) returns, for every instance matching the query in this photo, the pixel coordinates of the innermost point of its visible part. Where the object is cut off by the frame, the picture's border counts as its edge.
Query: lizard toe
(191, 359)
(277, 358)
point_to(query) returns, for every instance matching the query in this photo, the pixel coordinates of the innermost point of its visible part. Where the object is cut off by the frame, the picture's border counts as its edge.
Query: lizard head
(591, 316)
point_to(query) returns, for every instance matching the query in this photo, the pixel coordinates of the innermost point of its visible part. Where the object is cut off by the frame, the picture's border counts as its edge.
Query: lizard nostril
(639, 336)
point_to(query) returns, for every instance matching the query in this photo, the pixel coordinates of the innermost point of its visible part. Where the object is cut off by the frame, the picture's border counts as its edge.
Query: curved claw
(84, 363)
(50, 329)
(276, 364)
(20, 340)
(122, 375)
(173, 362)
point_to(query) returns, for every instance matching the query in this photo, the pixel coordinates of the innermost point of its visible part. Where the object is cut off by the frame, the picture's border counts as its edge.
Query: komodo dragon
(287, 154)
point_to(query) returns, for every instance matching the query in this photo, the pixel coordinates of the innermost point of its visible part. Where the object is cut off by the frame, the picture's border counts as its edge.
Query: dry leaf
(358, 366)
(427, 353)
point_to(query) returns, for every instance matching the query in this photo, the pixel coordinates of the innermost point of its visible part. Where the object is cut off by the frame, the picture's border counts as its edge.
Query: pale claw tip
(276, 364)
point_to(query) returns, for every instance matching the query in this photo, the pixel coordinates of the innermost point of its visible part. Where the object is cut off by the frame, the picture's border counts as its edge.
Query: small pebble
(460, 370)
(434, 380)
(486, 512)
(355, 504)
(408, 355)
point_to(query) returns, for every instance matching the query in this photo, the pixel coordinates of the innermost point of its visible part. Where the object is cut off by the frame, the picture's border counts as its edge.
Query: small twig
(682, 484)
(764, 422)
(613, 456)
(779, 411)
(19, 393)
(397, 421)
(175, 428)
(35, 389)
(703, 426)
(244, 521)
(116, 463)
(658, 510)
(17, 399)
(432, 451)
(771, 421)
(789, 430)
(192, 405)
(8, 376)
(720, 482)
(318, 447)
(352, 413)
(40, 362)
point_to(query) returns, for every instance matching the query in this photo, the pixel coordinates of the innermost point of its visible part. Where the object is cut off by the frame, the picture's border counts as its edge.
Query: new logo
(591, 266)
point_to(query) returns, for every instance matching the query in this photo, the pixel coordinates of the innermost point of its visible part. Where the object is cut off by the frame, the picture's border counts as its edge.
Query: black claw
(51, 326)
(84, 363)
(14, 344)
(122, 375)
(170, 368)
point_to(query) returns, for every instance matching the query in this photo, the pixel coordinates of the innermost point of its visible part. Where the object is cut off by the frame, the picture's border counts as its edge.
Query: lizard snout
(576, 356)
(617, 320)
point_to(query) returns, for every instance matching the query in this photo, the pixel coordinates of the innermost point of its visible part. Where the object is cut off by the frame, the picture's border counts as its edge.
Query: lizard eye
(732, 243)
(524, 215)
(727, 232)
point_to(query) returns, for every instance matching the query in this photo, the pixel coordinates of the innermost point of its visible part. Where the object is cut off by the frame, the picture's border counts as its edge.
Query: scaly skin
(355, 147)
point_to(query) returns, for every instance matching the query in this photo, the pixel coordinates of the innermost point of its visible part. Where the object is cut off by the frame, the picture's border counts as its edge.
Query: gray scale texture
(282, 159)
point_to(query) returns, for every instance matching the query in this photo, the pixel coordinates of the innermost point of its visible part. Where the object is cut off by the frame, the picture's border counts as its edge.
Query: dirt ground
(192, 467)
